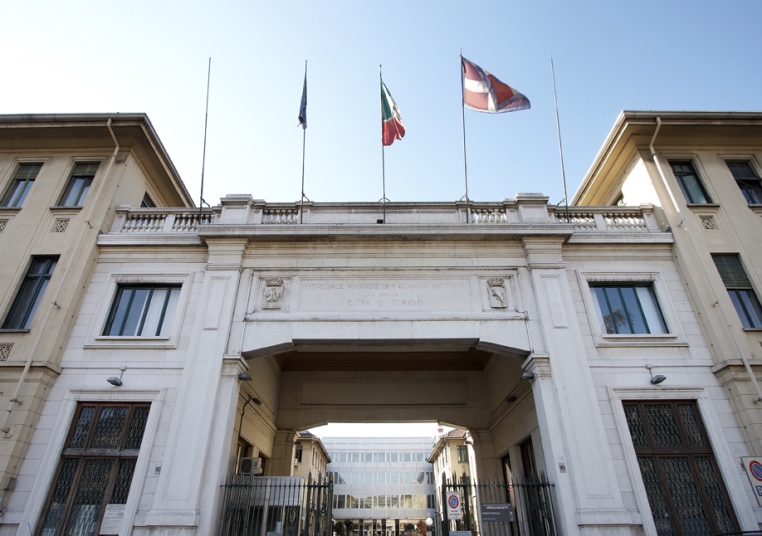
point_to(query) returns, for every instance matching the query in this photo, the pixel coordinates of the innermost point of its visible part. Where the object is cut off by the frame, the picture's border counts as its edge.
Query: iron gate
(531, 502)
(276, 506)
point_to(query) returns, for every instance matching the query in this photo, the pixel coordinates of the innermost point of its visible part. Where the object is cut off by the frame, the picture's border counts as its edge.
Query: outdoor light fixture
(117, 382)
(655, 380)
(244, 376)
(527, 376)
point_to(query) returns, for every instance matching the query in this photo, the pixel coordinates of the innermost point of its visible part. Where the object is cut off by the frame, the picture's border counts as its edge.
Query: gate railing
(531, 500)
(276, 506)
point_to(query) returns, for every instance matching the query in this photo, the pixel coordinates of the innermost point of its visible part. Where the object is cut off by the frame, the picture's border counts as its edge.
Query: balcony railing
(519, 214)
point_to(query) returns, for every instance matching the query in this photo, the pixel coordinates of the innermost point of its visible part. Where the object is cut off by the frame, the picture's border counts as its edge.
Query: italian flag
(391, 122)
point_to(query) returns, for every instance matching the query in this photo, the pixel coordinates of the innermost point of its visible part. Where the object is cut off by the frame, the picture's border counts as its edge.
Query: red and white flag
(483, 92)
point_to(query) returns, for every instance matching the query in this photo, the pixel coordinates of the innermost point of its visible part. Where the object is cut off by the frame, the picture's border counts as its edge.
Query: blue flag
(303, 107)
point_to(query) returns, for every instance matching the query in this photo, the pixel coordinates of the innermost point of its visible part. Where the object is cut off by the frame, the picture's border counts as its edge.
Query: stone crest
(272, 294)
(498, 298)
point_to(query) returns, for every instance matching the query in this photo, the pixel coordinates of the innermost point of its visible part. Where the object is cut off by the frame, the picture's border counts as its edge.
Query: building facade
(61, 178)
(566, 344)
(311, 458)
(702, 172)
(382, 485)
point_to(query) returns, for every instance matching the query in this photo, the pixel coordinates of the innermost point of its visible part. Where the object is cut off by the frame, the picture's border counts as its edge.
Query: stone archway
(459, 382)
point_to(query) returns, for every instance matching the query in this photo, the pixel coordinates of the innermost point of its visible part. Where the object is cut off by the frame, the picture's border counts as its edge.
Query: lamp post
(429, 522)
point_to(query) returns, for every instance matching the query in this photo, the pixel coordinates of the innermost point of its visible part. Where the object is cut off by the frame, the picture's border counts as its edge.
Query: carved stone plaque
(385, 295)
(498, 297)
(272, 293)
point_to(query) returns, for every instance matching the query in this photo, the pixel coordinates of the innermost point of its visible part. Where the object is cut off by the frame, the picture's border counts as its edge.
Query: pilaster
(578, 459)
(205, 400)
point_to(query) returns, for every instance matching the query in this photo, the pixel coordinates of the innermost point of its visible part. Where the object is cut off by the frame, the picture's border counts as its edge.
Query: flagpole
(463, 122)
(304, 145)
(203, 157)
(560, 146)
(383, 163)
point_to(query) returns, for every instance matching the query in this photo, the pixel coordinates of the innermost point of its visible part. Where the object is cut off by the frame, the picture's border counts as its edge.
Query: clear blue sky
(151, 56)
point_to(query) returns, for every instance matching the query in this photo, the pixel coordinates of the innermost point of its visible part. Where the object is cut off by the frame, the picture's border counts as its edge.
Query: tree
(339, 529)
(422, 527)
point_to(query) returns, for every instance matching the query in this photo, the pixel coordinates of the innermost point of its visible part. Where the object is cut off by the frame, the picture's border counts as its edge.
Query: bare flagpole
(560, 146)
(206, 122)
(463, 122)
(303, 122)
(383, 164)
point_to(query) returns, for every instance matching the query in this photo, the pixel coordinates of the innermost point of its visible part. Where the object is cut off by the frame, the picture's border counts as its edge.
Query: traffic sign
(453, 505)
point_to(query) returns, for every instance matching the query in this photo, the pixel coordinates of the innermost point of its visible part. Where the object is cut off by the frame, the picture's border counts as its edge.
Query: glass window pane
(135, 312)
(56, 508)
(72, 192)
(35, 303)
(155, 307)
(651, 310)
(617, 318)
(630, 309)
(109, 428)
(88, 498)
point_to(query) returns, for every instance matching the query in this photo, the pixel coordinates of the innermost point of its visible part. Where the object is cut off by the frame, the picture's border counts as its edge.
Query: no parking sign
(453, 505)
(753, 468)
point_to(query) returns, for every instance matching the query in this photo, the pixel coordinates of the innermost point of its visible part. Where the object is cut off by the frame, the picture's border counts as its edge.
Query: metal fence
(276, 506)
(530, 500)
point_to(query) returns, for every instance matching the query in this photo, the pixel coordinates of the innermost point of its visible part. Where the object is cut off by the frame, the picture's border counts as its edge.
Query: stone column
(578, 459)
(204, 398)
(481, 457)
(282, 461)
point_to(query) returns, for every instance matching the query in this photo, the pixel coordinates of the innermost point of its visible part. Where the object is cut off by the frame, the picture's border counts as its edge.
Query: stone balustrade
(526, 210)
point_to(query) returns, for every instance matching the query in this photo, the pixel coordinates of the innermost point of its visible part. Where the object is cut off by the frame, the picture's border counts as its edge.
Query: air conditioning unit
(250, 466)
(296, 462)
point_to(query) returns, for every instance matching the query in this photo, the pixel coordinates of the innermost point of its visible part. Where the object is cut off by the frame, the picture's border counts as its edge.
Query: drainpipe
(716, 303)
(5, 428)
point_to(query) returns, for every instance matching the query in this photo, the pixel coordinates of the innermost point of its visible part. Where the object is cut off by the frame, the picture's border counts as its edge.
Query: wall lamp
(244, 376)
(527, 376)
(117, 382)
(655, 380)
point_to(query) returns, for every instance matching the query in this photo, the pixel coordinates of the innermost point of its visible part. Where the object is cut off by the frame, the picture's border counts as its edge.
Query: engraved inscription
(375, 295)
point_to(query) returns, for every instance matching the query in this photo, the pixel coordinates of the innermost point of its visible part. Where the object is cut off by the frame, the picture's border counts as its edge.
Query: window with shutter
(740, 290)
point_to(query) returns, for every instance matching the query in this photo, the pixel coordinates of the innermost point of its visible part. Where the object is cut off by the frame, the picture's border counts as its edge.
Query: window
(142, 311)
(298, 452)
(748, 181)
(690, 184)
(739, 287)
(680, 475)
(79, 184)
(96, 467)
(22, 183)
(147, 202)
(628, 309)
(462, 453)
(30, 294)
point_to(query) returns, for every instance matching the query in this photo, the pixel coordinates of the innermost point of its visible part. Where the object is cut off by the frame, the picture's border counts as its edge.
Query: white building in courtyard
(381, 484)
